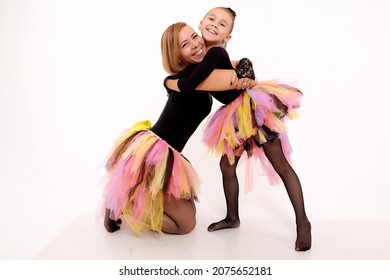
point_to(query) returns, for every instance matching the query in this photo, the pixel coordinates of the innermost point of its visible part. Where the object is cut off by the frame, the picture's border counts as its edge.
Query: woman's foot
(225, 223)
(303, 242)
(109, 224)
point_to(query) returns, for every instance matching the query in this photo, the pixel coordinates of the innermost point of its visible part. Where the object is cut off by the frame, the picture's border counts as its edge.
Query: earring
(223, 45)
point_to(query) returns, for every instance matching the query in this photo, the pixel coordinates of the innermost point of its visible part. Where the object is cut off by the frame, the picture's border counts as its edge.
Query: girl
(250, 121)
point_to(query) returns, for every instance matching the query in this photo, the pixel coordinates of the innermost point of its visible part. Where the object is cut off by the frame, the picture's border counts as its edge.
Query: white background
(74, 74)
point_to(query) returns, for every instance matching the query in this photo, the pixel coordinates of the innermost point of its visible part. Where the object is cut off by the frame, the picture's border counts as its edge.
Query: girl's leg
(231, 190)
(179, 216)
(273, 151)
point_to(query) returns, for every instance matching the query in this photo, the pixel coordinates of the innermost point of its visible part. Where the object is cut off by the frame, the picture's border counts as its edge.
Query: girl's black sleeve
(214, 57)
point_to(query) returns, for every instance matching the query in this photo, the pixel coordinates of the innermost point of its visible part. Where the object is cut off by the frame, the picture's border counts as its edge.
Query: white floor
(86, 238)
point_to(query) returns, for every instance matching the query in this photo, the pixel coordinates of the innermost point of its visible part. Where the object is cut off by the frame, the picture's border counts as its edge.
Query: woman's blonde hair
(170, 48)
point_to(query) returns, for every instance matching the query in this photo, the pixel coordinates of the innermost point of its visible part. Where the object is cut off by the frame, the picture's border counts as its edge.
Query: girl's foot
(303, 242)
(225, 223)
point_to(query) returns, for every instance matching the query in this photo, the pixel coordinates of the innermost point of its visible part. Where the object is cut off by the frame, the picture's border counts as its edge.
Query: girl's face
(192, 46)
(216, 27)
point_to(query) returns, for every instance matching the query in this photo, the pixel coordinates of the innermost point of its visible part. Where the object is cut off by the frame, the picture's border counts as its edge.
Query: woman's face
(192, 46)
(216, 27)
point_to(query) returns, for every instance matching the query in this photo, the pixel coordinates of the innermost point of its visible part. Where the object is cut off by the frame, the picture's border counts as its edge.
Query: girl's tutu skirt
(142, 170)
(258, 115)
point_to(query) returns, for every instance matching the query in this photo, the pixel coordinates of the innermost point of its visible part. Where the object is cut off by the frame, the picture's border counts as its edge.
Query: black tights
(273, 151)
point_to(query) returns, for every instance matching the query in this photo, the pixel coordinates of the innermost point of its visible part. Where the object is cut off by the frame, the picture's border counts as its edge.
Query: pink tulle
(136, 178)
(255, 117)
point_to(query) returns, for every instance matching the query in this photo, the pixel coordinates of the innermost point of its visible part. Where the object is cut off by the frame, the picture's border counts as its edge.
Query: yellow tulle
(230, 138)
(138, 126)
(153, 218)
(186, 186)
(244, 116)
(157, 183)
(122, 140)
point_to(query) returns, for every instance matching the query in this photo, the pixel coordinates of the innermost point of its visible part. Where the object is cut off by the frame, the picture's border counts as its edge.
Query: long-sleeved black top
(183, 113)
(215, 58)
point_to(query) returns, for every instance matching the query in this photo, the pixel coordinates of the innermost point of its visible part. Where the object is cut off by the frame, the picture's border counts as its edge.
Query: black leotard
(215, 58)
(183, 113)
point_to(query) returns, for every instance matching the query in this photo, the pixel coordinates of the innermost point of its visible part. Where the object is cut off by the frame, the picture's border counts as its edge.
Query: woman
(149, 182)
(249, 121)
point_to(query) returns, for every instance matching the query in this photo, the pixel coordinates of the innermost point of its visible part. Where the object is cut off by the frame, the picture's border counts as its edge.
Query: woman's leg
(273, 151)
(231, 190)
(179, 216)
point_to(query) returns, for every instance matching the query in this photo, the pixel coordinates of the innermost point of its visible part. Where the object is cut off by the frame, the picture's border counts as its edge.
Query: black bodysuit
(183, 113)
(215, 58)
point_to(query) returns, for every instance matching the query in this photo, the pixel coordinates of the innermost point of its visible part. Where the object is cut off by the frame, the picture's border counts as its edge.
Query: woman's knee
(187, 225)
(182, 212)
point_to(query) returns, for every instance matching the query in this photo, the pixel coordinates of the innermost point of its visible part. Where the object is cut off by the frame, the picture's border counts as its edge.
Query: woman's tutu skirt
(258, 115)
(142, 170)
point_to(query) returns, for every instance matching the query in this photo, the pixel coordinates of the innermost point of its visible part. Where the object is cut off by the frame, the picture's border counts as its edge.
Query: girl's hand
(245, 73)
(243, 82)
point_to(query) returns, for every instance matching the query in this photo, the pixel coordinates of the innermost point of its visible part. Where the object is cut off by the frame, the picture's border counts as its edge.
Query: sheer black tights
(231, 190)
(273, 151)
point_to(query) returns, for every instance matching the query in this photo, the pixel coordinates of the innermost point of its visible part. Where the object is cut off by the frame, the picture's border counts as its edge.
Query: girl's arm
(215, 58)
(218, 80)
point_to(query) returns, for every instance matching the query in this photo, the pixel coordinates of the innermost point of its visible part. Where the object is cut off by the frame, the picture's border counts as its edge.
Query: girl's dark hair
(233, 15)
(231, 11)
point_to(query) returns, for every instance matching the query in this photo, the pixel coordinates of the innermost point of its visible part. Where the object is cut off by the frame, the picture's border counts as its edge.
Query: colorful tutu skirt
(142, 170)
(258, 115)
